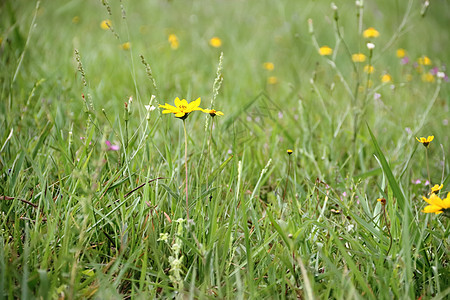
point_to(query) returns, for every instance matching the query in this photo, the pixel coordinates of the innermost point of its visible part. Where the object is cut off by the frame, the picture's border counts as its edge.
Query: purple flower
(404, 60)
(417, 181)
(376, 96)
(112, 147)
(434, 71)
(280, 115)
(408, 130)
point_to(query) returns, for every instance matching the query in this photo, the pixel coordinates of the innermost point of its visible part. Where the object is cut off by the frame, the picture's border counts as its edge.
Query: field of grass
(96, 184)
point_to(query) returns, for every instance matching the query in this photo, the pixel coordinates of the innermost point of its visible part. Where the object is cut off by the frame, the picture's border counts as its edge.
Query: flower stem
(287, 178)
(428, 167)
(186, 169)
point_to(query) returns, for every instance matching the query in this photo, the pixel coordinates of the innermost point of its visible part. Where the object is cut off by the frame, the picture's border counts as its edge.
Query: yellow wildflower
(424, 60)
(358, 57)
(76, 20)
(126, 46)
(382, 201)
(105, 24)
(386, 78)
(182, 108)
(427, 77)
(425, 141)
(436, 188)
(212, 112)
(437, 205)
(401, 53)
(173, 40)
(215, 42)
(268, 66)
(289, 151)
(325, 50)
(369, 69)
(371, 33)
(272, 80)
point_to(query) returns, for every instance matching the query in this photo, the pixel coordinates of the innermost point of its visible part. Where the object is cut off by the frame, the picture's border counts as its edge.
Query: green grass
(79, 220)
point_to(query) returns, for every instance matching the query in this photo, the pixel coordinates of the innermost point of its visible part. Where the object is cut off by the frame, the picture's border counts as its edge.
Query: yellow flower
(436, 188)
(424, 60)
(437, 205)
(358, 57)
(212, 112)
(182, 108)
(325, 50)
(382, 201)
(105, 24)
(401, 53)
(215, 42)
(126, 46)
(371, 33)
(289, 151)
(173, 40)
(268, 66)
(386, 78)
(425, 141)
(369, 69)
(76, 20)
(272, 80)
(427, 77)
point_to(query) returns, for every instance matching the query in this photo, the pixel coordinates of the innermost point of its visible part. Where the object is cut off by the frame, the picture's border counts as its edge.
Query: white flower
(370, 46)
(163, 237)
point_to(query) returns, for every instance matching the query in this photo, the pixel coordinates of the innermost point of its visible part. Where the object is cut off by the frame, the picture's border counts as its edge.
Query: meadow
(224, 149)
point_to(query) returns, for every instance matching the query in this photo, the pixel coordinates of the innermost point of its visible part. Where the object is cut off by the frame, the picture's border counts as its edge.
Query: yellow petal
(446, 202)
(430, 138)
(219, 113)
(179, 114)
(194, 104)
(177, 102)
(434, 200)
(432, 209)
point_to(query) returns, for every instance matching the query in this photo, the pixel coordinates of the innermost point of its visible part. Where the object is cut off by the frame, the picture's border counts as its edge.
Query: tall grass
(93, 188)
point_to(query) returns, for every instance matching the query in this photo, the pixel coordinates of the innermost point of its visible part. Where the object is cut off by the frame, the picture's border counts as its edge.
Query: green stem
(287, 178)
(186, 168)
(428, 167)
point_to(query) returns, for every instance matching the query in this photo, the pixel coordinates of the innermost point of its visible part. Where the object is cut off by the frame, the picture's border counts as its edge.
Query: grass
(83, 218)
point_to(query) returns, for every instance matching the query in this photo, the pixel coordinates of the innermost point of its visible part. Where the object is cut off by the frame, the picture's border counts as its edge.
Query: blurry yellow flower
(409, 77)
(289, 151)
(382, 201)
(272, 80)
(425, 141)
(436, 188)
(173, 40)
(268, 66)
(437, 205)
(76, 20)
(424, 60)
(401, 53)
(427, 77)
(182, 108)
(106, 24)
(212, 112)
(126, 46)
(358, 57)
(371, 33)
(369, 69)
(215, 42)
(325, 50)
(386, 78)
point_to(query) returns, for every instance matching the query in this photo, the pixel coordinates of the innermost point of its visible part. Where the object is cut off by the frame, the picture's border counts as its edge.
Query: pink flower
(112, 147)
